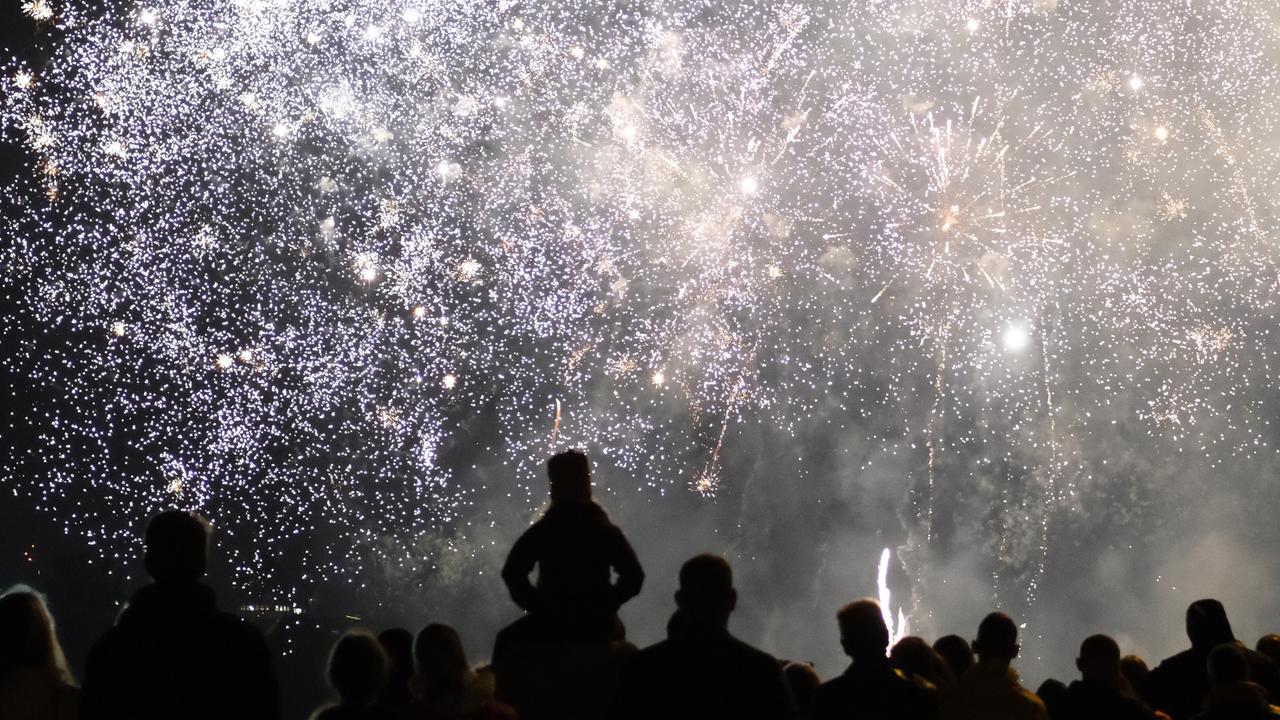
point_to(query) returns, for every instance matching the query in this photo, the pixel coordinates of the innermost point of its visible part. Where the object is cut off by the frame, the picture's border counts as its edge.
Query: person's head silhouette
(997, 638)
(1099, 659)
(177, 547)
(570, 476)
(1207, 625)
(1227, 665)
(863, 634)
(956, 651)
(706, 595)
(440, 659)
(1269, 645)
(28, 639)
(357, 668)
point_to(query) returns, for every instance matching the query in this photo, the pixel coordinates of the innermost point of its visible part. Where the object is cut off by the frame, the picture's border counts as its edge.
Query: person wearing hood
(575, 548)
(1102, 693)
(1231, 694)
(562, 657)
(1180, 684)
(172, 652)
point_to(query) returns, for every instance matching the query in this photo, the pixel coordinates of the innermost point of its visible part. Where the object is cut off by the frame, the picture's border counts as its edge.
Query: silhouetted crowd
(174, 654)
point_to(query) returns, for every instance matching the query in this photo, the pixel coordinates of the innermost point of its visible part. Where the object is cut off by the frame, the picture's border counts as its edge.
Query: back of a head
(706, 588)
(440, 658)
(1099, 658)
(1207, 625)
(397, 643)
(913, 655)
(1269, 645)
(1053, 693)
(1228, 665)
(863, 633)
(358, 668)
(803, 680)
(997, 637)
(956, 651)
(570, 475)
(1135, 670)
(177, 547)
(27, 636)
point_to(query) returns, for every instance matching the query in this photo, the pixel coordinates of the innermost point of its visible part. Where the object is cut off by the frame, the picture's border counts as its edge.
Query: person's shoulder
(748, 653)
(1032, 704)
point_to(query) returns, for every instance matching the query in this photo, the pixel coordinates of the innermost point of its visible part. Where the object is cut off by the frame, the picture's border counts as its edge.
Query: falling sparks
(301, 226)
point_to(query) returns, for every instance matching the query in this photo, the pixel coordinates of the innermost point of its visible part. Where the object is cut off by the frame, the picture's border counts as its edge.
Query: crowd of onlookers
(173, 653)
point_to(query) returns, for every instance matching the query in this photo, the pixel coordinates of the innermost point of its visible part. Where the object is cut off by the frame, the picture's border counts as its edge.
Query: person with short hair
(956, 651)
(991, 689)
(172, 652)
(1102, 693)
(1232, 695)
(35, 683)
(871, 687)
(702, 671)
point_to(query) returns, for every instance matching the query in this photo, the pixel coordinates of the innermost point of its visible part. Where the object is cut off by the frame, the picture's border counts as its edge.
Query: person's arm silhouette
(515, 573)
(630, 574)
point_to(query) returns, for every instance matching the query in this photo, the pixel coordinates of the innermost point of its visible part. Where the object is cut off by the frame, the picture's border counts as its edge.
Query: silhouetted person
(870, 687)
(1269, 645)
(172, 652)
(398, 645)
(1101, 693)
(990, 689)
(916, 659)
(1179, 685)
(1053, 693)
(803, 681)
(575, 549)
(956, 651)
(34, 681)
(703, 671)
(357, 672)
(1135, 671)
(563, 657)
(1231, 694)
(445, 686)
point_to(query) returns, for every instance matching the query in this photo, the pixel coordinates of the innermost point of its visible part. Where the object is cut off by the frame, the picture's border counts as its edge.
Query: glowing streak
(897, 627)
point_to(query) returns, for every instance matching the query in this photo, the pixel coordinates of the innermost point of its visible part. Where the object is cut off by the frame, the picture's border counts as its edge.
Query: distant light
(412, 16)
(368, 273)
(1016, 338)
(246, 356)
(223, 361)
(749, 185)
(577, 52)
(280, 130)
(658, 379)
(147, 16)
(450, 381)
(22, 79)
(118, 328)
(1136, 83)
(973, 25)
(1162, 134)
(419, 312)
(312, 38)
